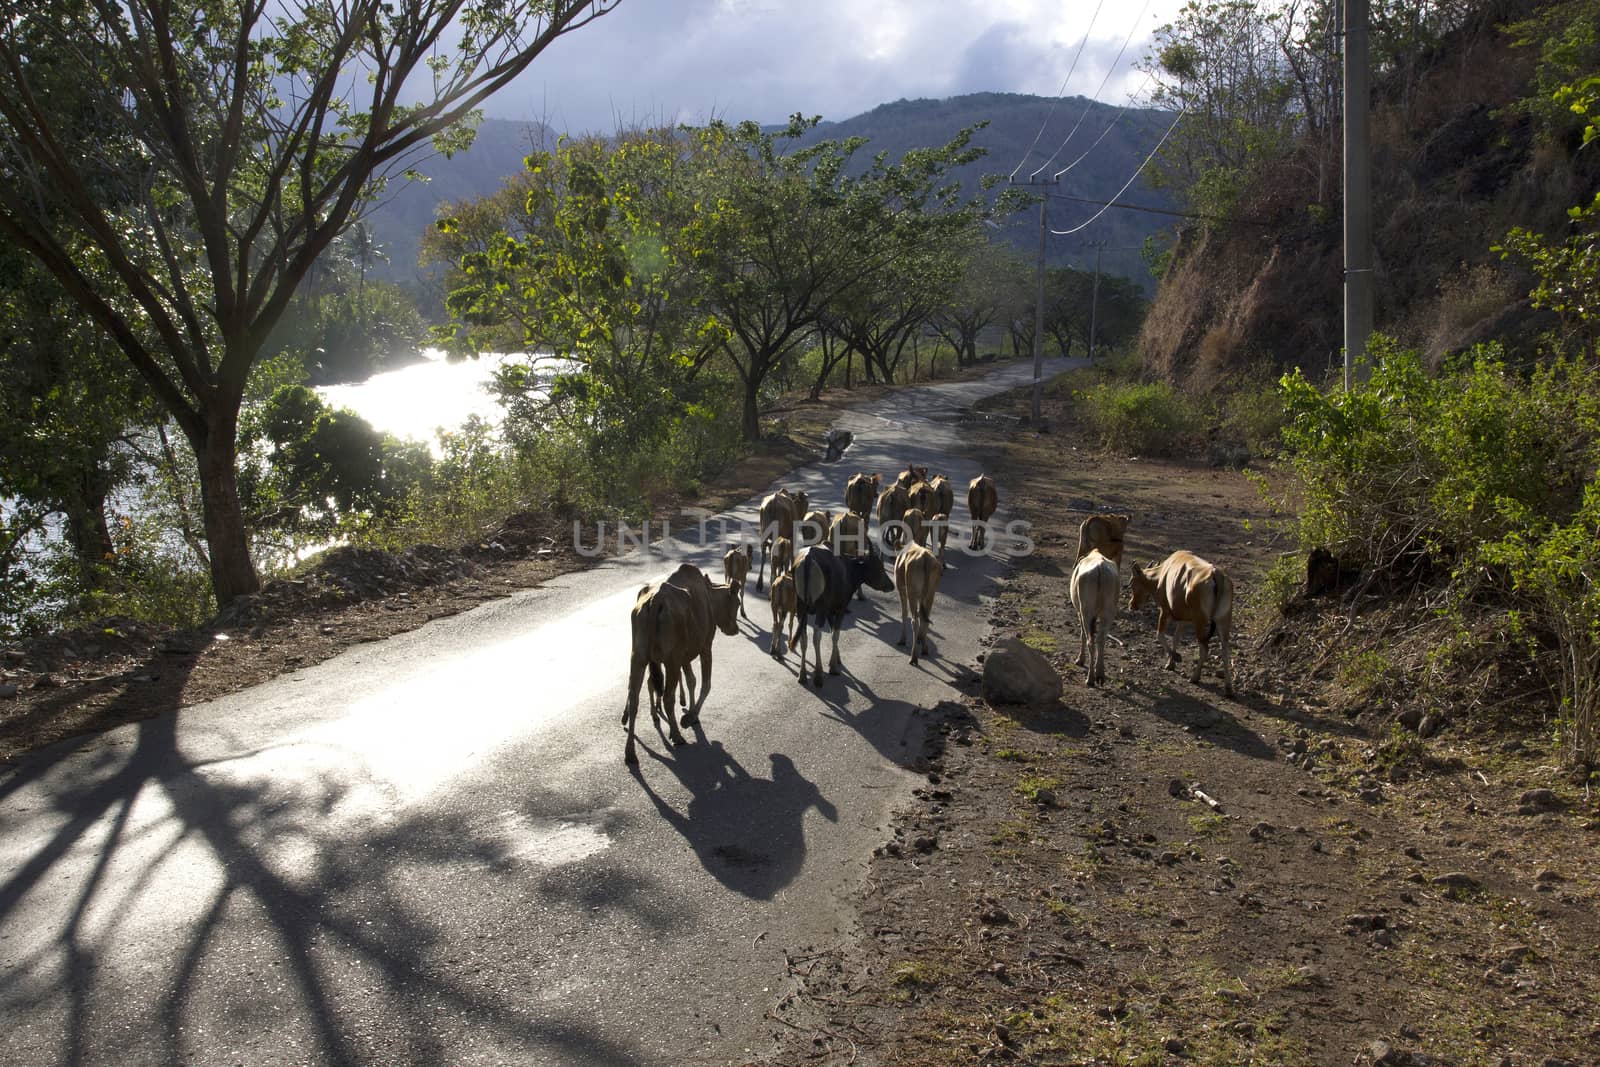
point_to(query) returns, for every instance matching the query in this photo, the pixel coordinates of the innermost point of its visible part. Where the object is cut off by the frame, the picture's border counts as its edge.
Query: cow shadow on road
(748, 832)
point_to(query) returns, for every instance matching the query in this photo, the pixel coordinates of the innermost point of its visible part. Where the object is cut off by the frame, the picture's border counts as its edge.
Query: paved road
(428, 850)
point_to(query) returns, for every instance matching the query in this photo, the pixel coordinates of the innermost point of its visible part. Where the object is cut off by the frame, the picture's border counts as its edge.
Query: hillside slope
(1454, 168)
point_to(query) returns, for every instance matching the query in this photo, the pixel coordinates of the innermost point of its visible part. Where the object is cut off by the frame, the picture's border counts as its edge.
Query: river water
(417, 401)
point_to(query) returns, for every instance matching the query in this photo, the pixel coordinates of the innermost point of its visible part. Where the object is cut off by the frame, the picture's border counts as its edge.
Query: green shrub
(1151, 419)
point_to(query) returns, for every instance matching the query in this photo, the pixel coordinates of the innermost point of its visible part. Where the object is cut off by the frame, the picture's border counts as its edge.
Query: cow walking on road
(675, 621)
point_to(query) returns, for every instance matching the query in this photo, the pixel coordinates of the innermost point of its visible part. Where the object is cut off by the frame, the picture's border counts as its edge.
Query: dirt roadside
(1056, 895)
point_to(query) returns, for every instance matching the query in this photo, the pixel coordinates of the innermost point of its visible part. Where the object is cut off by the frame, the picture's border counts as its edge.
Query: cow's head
(725, 607)
(868, 570)
(801, 503)
(1141, 586)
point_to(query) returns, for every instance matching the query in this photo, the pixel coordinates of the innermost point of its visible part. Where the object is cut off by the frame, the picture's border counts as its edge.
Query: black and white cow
(823, 585)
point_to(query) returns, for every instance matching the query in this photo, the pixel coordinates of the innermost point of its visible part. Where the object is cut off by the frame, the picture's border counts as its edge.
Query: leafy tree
(598, 278)
(259, 132)
(991, 273)
(793, 234)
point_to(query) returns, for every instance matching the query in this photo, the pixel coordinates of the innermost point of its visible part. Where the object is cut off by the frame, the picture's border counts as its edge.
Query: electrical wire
(1130, 181)
(1049, 114)
(1123, 110)
(1090, 104)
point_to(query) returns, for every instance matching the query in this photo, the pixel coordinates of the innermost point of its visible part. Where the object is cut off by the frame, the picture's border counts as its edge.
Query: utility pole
(1038, 307)
(1094, 298)
(1357, 191)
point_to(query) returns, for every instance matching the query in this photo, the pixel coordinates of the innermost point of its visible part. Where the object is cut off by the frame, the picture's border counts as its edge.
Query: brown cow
(916, 522)
(736, 570)
(674, 621)
(892, 505)
(1104, 532)
(782, 556)
(939, 532)
(916, 574)
(1186, 588)
(848, 535)
(1095, 585)
(813, 529)
(923, 497)
(982, 500)
(911, 476)
(777, 519)
(944, 495)
(860, 492)
(783, 610)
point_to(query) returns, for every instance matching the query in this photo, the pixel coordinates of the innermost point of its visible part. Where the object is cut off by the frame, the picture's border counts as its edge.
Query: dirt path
(1057, 896)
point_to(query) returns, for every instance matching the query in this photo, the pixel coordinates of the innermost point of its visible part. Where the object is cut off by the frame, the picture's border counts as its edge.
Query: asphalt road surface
(429, 850)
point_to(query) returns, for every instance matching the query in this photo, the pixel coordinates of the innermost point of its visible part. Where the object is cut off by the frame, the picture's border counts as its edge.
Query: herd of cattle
(820, 561)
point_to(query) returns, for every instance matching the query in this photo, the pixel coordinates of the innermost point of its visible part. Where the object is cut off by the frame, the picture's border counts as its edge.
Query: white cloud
(691, 60)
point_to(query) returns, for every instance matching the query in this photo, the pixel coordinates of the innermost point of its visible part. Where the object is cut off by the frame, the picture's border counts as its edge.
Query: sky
(695, 60)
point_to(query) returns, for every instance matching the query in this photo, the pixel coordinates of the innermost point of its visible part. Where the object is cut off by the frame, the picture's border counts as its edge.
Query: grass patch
(1040, 641)
(1209, 824)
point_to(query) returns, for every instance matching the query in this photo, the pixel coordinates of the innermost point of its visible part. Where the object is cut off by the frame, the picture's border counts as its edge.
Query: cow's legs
(905, 619)
(834, 666)
(800, 633)
(761, 570)
(630, 711)
(816, 648)
(675, 678)
(1083, 637)
(692, 716)
(1204, 641)
(1170, 647)
(1227, 658)
(1100, 652)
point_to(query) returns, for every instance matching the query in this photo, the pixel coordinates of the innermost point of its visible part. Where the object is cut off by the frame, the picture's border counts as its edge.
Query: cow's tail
(1221, 601)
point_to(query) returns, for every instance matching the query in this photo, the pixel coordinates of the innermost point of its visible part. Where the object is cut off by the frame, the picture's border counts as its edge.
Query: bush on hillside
(1479, 481)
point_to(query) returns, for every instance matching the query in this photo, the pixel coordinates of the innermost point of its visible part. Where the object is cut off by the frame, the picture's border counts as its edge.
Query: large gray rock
(1013, 673)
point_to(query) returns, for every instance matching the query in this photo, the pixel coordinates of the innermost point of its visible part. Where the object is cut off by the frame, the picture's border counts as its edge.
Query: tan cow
(813, 529)
(944, 495)
(674, 621)
(911, 476)
(1186, 588)
(860, 492)
(939, 532)
(782, 556)
(916, 523)
(916, 574)
(982, 499)
(848, 535)
(923, 497)
(783, 611)
(777, 519)
(1104, 532)
(1095, 585)
(892, 505)
(736, 570)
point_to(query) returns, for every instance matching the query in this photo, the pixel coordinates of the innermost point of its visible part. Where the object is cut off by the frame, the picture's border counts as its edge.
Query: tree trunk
(751, 424)
(86, 527)
(233, 573)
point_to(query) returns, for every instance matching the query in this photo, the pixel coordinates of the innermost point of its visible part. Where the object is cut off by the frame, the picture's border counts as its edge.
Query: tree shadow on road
(748, 832)
(309, 925)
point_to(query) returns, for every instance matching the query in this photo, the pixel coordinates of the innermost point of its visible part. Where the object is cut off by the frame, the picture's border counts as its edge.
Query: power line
(1109, 126)
(1132, 178)
(1163, 211)
(1048, 114)
(1109, 71)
